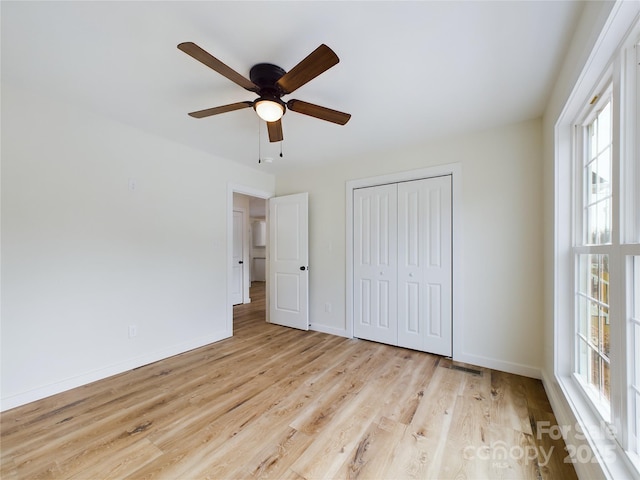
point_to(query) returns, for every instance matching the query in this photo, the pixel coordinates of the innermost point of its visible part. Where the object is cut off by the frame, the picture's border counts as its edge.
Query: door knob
(240, 262)
(303, 268)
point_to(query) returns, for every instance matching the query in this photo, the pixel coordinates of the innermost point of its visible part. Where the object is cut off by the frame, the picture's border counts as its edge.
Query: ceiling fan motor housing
(265, 76)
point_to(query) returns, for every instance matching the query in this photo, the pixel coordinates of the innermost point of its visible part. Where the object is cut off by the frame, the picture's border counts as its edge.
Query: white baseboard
(340, 332)
(501, 365)
(44, 391)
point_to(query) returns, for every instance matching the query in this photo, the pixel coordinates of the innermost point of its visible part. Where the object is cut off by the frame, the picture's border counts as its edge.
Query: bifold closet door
(424, 265)
(375, 233)
(402, 264)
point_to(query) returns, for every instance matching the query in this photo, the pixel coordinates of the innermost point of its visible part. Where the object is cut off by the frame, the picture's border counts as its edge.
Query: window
(606, 251)
(597, 250)
(594, 141)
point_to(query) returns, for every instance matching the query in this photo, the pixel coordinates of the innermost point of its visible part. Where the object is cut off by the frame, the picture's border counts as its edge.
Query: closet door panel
(411, 259)
(424, 265)
(375, 263)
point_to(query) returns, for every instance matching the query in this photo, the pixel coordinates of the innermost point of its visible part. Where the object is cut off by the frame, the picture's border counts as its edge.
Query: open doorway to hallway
(249, 253)
(248, 315)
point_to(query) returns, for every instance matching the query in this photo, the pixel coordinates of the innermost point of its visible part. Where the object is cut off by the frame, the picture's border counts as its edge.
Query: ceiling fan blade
(212, 62)
(275, 131)
(317, 62)
(222, 109)
(323, 113)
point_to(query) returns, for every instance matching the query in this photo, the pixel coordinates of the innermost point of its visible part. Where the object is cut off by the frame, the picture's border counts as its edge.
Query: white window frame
(633, 322)
(582, 246)
(612, 443)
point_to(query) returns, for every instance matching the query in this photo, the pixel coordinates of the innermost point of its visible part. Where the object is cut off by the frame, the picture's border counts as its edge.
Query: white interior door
(237, 266)
(289, 261)
(424, 265)
(375, 263)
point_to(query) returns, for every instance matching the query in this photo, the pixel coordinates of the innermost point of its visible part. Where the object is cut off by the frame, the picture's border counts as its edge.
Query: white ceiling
(408, 71)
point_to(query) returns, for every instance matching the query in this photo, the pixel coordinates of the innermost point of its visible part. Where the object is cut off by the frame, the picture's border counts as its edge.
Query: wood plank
(234, 435)
(419, 452)
(469, 431)
(339, 438)
(555, 461)
(275, 458)
(509, 406)
(374, 452)
(119, 463)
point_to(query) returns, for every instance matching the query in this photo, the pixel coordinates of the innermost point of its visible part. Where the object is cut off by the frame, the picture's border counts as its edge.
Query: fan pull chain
(281, 148)
(259, 144)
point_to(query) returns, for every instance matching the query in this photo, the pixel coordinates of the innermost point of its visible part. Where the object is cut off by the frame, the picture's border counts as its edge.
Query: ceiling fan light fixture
(269, 110)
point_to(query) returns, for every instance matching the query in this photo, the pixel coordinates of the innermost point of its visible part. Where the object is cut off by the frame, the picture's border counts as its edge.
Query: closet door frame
(453, 169)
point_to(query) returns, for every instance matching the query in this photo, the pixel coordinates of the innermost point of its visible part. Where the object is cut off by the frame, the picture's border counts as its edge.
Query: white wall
(84, 257)
(502, 237)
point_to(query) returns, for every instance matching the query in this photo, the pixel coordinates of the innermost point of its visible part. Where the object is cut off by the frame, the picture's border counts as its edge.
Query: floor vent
(472, 371)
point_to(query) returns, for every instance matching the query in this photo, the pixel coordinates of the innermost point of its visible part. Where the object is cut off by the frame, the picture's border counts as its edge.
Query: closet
(402, 264)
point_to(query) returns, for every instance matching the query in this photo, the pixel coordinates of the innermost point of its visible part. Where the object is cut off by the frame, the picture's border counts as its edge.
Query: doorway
(253, 203)
(249, 256)
(285, 257)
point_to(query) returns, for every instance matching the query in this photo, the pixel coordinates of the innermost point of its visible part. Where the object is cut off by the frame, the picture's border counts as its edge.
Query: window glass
(597, 179)
(635, 353)
(593, 335)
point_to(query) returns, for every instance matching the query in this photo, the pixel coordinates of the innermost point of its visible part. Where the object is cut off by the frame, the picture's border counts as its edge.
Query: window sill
(606, 458)
(592, 394)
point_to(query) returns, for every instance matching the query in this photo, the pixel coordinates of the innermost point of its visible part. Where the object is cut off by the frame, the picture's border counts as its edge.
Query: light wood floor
(274, 402)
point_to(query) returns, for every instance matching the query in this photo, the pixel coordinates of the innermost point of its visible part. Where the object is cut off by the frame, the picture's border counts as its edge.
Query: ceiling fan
(271, 82)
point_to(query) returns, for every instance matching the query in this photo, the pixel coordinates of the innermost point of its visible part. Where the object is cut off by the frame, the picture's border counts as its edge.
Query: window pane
(605, 386)
(634, 367)
(583, 316)
(598, 223)
(594, 275)
(591, 180)
(603, 123)
(593, 344)
(635, 318)
(604, 222)
(594, 336)
(597, 180)
(583, 281)
(583, 360)
(604, 279)
(636, 354)
(594, 369)
(598, 177)
(591, 225)
(604, 173)
(593, 142)
(604, 331)
(637, 417)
